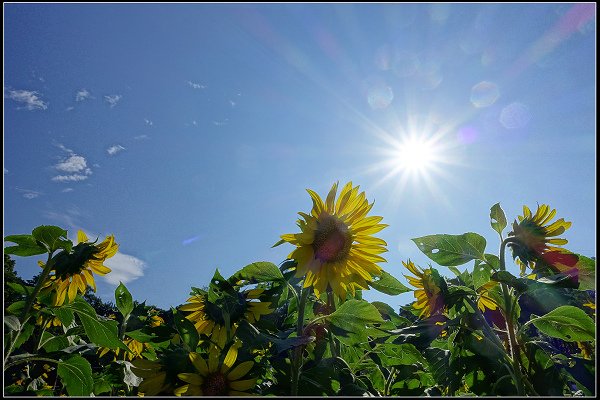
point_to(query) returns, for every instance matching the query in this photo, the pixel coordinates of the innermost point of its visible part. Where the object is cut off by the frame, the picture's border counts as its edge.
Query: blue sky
(191, 131)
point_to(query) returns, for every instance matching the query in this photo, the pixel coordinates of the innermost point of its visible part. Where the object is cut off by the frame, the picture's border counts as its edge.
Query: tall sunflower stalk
(335, 251)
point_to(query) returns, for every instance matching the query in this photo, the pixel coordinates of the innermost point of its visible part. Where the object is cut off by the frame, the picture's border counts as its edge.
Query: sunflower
(217, 378)
(429, 294)
(208, 317)
(335, 248)
(73, 271)
(531, 237)
(154, 376)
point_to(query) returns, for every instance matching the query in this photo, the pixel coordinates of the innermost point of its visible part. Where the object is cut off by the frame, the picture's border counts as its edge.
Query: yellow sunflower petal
(243, 385)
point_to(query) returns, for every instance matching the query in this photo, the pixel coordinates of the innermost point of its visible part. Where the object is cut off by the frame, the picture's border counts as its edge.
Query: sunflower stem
(332, 342)
(38, 287)
(297, 361)
(509, 316)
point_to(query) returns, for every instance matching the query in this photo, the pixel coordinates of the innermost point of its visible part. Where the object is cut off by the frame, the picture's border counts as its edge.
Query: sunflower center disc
(215, 385)
(332, 239)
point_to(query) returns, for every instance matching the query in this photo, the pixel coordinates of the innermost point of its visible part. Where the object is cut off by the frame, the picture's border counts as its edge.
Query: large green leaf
(187, 331)
(102, 333)
(123, 300)
(26, 246)
(386, 283)
(256, 272)
(497, 218)
(353, 316)
(53, 237)
(452, 250)
(52, 343)
(76, 374)
(392, 355)
(568, 323)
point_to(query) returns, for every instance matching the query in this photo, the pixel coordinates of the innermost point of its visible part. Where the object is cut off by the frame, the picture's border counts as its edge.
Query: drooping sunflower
(216, 378)
(531, 237)
(335, 247)
(73, 272)
(428, 293)
(208, 317)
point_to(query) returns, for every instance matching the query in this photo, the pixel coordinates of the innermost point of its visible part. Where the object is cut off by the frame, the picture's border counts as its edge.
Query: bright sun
(416, 155)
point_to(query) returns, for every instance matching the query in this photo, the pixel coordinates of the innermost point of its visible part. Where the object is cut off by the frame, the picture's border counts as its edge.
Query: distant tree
(10, 276)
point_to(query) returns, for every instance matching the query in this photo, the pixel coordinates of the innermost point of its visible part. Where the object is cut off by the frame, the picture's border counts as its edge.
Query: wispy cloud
(112, 150)
(148, 122)
(82, 95)
(29, 194)
(112, 100)
(125, 268)
(196, 85)
(219, 123)
(67, 190)
(141, 137)
(70, 108)
(29, 97)
(70, 178)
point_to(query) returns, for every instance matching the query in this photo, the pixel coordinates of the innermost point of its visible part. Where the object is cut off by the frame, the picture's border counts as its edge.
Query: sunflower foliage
(303, 328)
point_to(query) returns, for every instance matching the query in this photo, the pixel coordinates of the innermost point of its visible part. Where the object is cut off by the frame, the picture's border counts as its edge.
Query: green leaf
(386, 283)
(354, 315)
(25, 333)
(568, 323)
(482, 274)
(123, 300)
(65, 316)
(20, 288)
(103, 333)
(452, 250)
(256, 272)
(497, 218)
(187, 331)
(16, 308)
(26, 246)
(392, 355)
(12, 323)
(52, 343)
(587, 272)
(53, 237)
(76, 374)
(506, 277)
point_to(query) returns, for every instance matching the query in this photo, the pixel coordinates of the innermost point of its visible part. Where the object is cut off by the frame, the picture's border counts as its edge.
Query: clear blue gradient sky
(191, 131)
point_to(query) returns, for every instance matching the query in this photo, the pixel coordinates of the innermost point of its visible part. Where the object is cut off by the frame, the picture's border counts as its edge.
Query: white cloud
(70, 108)
(148, 122)
(29, 97)
(112, 150)
(67, 190)
(82, 95)
(140, 137)
(74, 163)
(125, 268)
(196, 85)
(70, 178)
(232, 103)
(113, 99)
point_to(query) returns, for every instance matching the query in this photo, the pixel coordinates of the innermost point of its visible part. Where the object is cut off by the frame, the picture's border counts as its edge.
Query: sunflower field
(303, 328)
